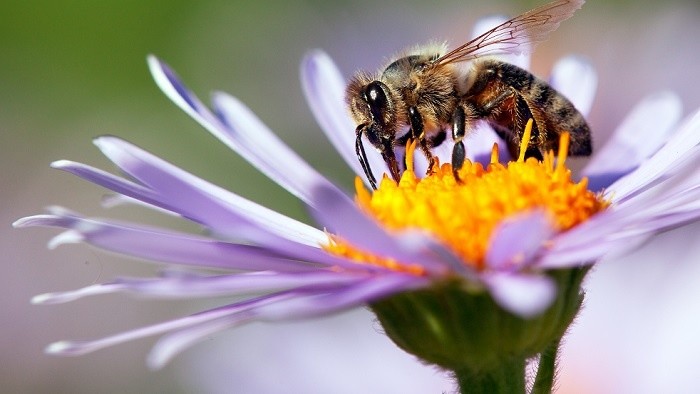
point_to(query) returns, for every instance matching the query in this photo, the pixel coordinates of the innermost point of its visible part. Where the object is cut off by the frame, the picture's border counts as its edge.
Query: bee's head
(373, 106)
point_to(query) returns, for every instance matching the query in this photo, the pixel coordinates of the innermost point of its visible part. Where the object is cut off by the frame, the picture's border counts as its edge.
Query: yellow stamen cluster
(464, 215)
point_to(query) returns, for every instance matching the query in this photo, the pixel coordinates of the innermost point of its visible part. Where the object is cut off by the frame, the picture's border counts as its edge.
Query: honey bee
(425, 93)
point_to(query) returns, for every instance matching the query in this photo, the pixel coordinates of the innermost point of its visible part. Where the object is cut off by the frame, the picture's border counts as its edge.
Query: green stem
(508, 378)
(547, 370)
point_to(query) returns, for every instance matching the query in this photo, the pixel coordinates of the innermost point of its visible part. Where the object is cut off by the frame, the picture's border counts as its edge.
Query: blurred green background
(73, 70)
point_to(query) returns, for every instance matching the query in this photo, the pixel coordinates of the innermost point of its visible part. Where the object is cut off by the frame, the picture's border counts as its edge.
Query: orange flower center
(463, 215)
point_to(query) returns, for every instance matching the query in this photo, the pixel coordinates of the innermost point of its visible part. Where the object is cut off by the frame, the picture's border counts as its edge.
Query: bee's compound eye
(377, 100)
(375, 93)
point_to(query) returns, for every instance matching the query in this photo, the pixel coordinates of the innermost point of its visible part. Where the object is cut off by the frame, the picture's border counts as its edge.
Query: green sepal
(462, 329)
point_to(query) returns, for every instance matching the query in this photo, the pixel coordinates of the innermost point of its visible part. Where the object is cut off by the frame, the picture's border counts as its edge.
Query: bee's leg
(523, 114)
(390, 159)
(463, 119)
(437, 139)
(362, 157)
(433, 141)
(482, 78)
(458, 132)
(401, 141)
(418, 133)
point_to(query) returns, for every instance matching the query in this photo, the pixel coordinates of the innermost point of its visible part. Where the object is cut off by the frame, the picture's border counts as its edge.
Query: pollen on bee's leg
(525, 141)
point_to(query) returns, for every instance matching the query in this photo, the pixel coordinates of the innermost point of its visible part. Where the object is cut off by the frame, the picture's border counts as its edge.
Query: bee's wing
(516, 35)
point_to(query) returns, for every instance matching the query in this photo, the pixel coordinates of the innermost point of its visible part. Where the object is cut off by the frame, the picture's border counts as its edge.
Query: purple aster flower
(645, 180)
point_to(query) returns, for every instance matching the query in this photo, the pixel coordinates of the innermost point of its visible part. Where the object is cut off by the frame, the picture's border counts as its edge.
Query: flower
(646, 176)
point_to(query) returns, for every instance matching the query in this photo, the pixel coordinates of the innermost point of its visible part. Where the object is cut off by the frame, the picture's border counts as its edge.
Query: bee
(425, 93)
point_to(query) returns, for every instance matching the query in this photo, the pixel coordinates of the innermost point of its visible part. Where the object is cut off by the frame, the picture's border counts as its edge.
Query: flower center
(463, 215)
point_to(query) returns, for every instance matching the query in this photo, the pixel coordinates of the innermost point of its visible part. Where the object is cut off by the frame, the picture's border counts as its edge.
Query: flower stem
(546, 371)
(509, 377)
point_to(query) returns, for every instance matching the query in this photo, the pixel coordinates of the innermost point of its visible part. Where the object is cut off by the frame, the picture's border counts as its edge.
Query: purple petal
(675, 151)
(298, 306)
(577, 80)
(662, 221)
(77, 348)
(248, 137)
(674, 219)
(681, 203)
(280, 255)
(175, 90)
(620, 243)
(156, 244)
(676, 187)
(342, 217)
(265, 150)
(525, 295)
(239, 284)
(170, 345)
(255, 223)
(337, 300)
(419, 242)
(590, 239)
(324, 89)
(112, 182)
(118, 200)
(68, 296)
(582, 253)
(641, 134)
(622, 225)
(516, 241)
(223, 211)
(232, 224)
(191, 286)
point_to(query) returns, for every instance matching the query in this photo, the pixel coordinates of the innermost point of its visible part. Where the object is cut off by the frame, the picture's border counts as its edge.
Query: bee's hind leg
(461, 122)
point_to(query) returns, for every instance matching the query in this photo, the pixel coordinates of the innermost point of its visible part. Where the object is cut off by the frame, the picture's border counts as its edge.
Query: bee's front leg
(418, 133)
(362, 155)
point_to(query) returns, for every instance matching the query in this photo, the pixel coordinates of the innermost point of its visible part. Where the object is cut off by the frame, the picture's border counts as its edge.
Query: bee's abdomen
(560, 115)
